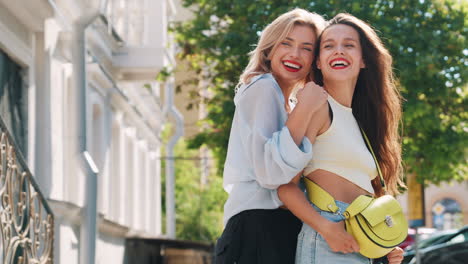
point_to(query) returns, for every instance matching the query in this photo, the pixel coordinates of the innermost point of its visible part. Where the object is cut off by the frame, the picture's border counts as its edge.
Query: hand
(338, 239)
(395, 256)
(312, 95)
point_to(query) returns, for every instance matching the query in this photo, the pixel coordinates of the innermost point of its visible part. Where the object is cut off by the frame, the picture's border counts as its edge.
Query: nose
(339, 49)
(295, 53)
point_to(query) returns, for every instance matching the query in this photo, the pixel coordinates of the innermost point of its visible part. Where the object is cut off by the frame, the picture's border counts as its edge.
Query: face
(340, 56)
(292, 58)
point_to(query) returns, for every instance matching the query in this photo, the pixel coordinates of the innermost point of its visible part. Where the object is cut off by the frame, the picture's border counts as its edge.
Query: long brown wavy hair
(376, 102)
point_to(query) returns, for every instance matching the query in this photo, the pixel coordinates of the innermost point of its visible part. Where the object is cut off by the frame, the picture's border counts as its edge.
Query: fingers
(312, 93)
(315, 87)
(355, 245)
(395, 256)
(341, 241)
(351, 244)
(348, 245)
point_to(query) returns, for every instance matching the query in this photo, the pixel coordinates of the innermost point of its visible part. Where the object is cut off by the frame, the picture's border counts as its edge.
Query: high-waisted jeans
(313, 249)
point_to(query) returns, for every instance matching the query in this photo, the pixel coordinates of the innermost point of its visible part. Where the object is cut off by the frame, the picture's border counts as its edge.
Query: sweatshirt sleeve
(276, 157)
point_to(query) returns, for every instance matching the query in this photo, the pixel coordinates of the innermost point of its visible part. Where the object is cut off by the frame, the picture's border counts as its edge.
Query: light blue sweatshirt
(261, 153)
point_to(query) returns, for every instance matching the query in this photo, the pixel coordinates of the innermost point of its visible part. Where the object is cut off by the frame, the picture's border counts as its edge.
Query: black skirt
(259, 237)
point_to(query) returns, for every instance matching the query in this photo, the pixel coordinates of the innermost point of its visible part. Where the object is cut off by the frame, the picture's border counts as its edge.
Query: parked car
(408, 242)
(441, 238)
(446, 253)
(423, 233)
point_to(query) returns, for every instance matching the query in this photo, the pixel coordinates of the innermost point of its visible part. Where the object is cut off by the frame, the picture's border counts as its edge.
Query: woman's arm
(310, 99)
(334, 233)
(295, 200)
(267, 139)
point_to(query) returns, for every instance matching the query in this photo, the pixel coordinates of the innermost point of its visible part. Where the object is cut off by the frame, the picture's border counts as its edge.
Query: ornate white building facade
(91, 115)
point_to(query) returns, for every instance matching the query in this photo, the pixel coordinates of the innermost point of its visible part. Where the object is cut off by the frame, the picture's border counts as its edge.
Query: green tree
(426, 38)
(199, 213)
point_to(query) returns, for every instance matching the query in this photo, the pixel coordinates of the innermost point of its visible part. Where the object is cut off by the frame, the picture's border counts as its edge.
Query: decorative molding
(110, 227)
(133, 118)
(66, 210)
(98, 82)
(15, 47)
(140, 63)
(30, 13)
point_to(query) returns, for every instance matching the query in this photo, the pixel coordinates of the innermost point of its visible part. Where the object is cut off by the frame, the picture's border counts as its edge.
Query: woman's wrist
(320, 224)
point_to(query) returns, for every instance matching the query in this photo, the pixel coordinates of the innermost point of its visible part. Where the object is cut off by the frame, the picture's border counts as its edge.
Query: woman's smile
(292, 66)
(339, 63)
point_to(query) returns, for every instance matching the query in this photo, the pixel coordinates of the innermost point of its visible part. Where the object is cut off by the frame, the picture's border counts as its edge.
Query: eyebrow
(305, 43)
(352, 39)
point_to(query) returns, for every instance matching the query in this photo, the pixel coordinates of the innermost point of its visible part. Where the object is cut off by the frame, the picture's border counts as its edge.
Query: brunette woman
(267, 146)
(355, 69)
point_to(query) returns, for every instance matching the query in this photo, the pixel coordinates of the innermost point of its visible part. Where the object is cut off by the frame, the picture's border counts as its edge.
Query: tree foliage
(199, 212)
(428, 41)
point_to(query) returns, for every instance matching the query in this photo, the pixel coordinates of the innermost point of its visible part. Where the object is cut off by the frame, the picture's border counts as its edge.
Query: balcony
(26, 220)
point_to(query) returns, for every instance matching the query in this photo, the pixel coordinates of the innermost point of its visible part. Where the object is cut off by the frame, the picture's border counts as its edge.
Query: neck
(341, 91)
(287, 89)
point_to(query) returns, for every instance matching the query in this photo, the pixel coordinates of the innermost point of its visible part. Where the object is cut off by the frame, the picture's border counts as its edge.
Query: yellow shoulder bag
(377, 224)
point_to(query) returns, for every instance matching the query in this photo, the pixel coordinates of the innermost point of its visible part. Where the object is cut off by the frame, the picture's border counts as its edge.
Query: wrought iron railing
(26, 220)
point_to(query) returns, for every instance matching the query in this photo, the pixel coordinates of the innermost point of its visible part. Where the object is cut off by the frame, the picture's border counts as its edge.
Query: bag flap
(358, 205)
(380, 209)
(387, 233)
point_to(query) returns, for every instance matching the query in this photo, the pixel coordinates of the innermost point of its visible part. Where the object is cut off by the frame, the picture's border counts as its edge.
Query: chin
(291, 77)
(340, 77)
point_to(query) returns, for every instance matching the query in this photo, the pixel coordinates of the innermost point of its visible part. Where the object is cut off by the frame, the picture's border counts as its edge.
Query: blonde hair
(273, 34)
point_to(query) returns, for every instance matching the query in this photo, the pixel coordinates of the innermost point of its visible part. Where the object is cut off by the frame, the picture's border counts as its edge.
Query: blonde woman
(356, 70)
(267, 147)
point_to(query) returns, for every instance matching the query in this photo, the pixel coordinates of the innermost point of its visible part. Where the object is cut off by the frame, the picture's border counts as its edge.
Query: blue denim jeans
(313, 249)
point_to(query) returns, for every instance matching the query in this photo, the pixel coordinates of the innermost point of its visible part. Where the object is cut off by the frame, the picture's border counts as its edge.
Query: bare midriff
(338, 187)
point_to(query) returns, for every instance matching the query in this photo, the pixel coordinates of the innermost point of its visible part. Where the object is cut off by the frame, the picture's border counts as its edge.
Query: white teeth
(339, 63)
(295, 66)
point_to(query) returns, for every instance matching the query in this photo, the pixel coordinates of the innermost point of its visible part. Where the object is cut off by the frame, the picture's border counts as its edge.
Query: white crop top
(342, 150)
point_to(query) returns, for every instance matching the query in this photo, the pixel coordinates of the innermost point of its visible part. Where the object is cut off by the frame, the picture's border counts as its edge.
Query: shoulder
(324, 117)
(263, 87)
(321, 122)
(259, 83)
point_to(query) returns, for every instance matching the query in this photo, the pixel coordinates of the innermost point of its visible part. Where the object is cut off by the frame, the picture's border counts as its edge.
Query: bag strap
(375, 159)
(321, 198)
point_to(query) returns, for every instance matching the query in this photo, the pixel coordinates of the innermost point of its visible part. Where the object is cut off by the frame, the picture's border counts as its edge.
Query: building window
(447, 214)
(14, 101)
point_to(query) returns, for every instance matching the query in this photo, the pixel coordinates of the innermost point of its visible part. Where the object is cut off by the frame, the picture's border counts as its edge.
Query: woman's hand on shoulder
(312, 95)
(338, 239)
